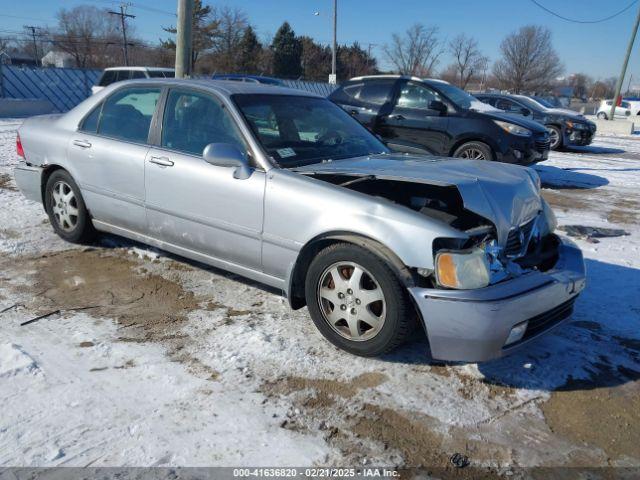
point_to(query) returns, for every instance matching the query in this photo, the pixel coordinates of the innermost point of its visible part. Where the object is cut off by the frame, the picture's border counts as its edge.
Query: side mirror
(438, 106)
(525, 111)
(227, 155)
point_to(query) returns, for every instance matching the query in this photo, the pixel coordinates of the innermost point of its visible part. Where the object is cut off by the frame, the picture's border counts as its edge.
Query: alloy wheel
(472, 154)
(554, 138)
(64, 206)
(351, 301)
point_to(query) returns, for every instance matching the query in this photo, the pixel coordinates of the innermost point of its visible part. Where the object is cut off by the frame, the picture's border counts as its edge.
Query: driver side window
(414, 95)
(193, 120)
(508, 106)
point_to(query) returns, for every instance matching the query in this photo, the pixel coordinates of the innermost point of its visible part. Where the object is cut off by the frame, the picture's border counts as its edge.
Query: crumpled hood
(504, 194)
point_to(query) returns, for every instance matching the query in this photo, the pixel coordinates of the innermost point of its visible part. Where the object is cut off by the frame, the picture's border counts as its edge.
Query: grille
(518, 239)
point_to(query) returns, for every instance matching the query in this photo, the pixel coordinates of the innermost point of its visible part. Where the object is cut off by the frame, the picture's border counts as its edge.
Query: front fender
(299, 209)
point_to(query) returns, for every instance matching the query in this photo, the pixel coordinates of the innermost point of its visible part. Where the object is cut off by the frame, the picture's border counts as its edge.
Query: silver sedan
(285, 188)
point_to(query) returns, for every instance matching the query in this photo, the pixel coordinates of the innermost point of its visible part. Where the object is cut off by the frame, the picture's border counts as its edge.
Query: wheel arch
(47, 171)
(296, 278)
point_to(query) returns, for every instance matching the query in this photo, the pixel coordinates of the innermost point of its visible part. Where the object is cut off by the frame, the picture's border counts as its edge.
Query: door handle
(82, 143)
(398, 117)
(162, 161)
(353, 113)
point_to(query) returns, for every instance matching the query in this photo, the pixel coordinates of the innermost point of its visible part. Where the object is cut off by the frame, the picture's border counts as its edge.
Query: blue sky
(594, 49)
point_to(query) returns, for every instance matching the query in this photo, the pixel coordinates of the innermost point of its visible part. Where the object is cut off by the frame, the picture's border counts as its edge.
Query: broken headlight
(463, 270)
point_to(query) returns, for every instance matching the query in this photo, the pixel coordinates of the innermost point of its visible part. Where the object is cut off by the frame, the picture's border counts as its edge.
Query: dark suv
(411, 113)
(565, 127)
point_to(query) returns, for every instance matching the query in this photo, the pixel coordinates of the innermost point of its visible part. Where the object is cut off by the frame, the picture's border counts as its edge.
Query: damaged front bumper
(476, 325)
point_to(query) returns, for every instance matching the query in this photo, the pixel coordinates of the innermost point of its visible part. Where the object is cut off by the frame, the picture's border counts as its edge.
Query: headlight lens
(513, 129)
(463, 270)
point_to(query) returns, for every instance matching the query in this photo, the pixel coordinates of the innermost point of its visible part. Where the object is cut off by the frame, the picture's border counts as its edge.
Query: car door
(412, 120)
(191, 203)
(108, 152)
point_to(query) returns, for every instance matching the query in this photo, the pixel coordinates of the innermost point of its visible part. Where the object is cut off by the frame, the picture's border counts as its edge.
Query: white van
(117, 74)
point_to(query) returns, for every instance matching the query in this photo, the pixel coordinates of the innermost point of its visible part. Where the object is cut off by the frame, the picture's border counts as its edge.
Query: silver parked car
(285, 188)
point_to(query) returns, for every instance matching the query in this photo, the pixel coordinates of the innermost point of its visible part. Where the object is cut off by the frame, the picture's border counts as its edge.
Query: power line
(35, 43)
(573, 20)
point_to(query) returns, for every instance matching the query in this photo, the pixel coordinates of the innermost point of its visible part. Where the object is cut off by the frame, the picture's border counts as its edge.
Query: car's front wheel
(602, 116)
(356, 300)
(555, 137)
(66, 209)
(474, 151)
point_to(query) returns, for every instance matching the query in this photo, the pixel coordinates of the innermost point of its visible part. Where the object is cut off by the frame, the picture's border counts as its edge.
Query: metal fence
(66, 87)
(324, 89)
(63, 87)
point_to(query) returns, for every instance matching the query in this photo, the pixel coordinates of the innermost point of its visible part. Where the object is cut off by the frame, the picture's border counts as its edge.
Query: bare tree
(468, 60)
(88, 34)
(581, 84)
(529, 62)
(417, 52)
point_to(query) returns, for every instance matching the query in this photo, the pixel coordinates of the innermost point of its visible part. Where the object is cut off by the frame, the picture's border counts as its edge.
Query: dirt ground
(571, 401)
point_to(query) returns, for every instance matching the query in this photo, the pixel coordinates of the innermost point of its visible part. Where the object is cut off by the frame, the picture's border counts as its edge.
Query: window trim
(137, 86)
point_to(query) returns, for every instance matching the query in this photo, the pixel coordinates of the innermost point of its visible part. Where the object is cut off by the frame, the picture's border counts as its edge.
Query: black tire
(558, 144)
(474, 151)
(81, 229)
(602, 116)
(399, 317)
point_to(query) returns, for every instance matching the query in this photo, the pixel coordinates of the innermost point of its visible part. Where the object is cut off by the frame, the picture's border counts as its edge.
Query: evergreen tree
(249, 52)
(287, 53)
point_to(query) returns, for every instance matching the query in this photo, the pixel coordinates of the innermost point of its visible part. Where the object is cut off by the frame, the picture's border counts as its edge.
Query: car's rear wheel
(555, 137)
(356, 300)
(602, 116)
(66, 209)
(474, 151)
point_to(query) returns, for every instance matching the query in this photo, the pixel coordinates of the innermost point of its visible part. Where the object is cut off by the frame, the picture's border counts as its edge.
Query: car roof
(225, 87)
(143, 69)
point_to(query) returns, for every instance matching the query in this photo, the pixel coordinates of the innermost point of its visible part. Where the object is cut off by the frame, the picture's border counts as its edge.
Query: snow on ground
(158, 361)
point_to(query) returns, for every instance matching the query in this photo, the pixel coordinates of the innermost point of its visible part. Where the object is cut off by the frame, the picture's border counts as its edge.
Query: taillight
(19, 149)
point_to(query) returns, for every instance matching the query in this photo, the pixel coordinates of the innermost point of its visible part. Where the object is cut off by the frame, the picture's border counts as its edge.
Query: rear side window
(137, 74)
(90, 123)
(377, 92)
(193, 120)
(127, 114)
(108, 78)
(122, 75)
(373, 92)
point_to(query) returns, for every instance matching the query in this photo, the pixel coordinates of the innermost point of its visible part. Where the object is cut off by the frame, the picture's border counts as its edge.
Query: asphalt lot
(154, 360)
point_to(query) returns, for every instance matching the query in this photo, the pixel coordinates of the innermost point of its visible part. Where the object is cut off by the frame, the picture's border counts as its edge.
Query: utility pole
(614, 103)
(123, 14)
(183, 38)
(35, 43)
(333, 79)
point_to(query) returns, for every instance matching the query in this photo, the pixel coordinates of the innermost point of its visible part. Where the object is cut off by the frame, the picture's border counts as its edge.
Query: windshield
(531, 103)
(463, 99)
(296, 130)
(543, 102)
